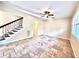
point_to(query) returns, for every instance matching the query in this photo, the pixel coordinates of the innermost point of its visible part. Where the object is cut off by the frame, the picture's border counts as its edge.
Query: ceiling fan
(47, 14)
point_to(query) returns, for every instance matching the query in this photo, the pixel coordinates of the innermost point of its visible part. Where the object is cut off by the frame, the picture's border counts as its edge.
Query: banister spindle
(6, 31)
(18, 25)
(3, 33)
(21, 22)
(14, 26)
(2, 37)
(10, 28)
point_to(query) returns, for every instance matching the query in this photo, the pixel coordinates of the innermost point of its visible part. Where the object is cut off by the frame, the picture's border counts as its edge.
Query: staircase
(10, 28)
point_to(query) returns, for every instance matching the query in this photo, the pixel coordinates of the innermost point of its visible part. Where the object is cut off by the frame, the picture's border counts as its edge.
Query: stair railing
(10, 28)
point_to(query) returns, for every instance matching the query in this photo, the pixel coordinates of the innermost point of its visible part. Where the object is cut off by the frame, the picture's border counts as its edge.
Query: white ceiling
(60, 8)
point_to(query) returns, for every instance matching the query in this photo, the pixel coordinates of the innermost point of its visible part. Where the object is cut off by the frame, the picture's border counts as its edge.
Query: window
(75, 25)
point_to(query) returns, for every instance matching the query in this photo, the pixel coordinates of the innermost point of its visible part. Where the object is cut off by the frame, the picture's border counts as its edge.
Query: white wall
(75, 46)
(52, 26)
(74, 40)
(27, 22)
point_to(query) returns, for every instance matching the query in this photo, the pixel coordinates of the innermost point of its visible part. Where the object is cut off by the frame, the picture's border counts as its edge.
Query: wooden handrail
(11, 22)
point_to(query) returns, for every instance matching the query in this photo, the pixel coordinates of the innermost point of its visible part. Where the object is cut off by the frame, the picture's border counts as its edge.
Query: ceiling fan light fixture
(47, 14)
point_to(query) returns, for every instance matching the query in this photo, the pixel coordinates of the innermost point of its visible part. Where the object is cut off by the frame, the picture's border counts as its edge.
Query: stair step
(6, 35)
(11, 33)
(17, 28)
(14, 30)
(20, 27)
(2, 38)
